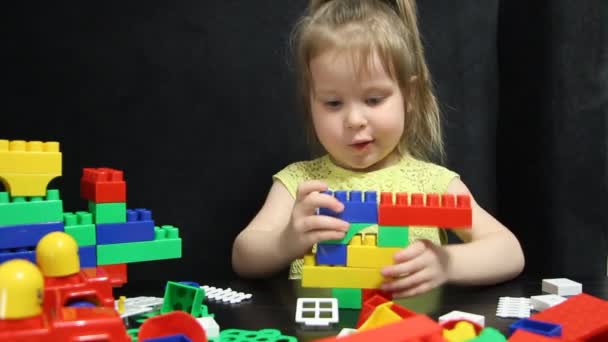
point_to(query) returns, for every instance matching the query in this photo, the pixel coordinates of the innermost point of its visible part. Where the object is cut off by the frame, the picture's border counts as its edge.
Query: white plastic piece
(224, 295)
(212, 329)
(456, 315)
(317, 312)
(512, 307)
(540, 303)
(346, 332)
(562, 287)
(139, 305)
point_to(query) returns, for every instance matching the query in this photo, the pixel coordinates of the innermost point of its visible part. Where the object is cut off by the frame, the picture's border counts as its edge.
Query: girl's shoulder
(297, 172)
(430, 176)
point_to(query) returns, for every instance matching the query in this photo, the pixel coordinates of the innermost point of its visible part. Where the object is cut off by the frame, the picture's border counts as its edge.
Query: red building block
(583, 317)
(419, 328)
(90, 284)
(526, 336)
(447, 211)
(172, 323)
(103, 185)
(369, 293)
(88, 324)
(117, 274)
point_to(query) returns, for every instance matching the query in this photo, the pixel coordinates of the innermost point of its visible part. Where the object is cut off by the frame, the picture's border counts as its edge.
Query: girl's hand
(419, 268)
(305, 228)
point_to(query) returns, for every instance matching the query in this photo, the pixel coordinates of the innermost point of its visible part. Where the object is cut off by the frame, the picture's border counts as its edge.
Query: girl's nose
(355, 118)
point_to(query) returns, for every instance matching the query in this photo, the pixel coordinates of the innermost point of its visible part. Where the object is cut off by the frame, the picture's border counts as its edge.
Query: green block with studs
(166, 245)
(181, 297)
(108, 212)
(348, 298)
(80, 226)
(389, 236)
(29, 210)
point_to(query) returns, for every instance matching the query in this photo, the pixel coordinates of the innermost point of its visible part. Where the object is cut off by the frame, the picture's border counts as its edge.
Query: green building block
(166, 245)
(108, 212)
(181, 297)
(348, 298)
(489, 334)
(353, 229)
(27, 210)
(266, 335)
(81, 227)
(389, 236)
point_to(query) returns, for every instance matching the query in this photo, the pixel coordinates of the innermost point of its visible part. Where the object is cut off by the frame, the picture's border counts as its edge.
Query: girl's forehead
(361, 64)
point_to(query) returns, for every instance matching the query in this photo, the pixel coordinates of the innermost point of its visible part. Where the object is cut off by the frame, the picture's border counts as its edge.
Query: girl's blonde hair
(388, 29)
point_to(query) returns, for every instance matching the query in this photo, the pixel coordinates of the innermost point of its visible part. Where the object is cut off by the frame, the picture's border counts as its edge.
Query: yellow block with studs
(340, 276)
(363, 252)
(462, 331)
(27, 167)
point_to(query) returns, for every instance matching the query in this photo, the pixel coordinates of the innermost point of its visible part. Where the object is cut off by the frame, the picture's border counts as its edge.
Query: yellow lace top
(408, 175)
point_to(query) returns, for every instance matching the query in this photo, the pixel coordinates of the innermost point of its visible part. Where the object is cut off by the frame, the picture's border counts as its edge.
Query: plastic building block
(537, 327)
(358, 207)
(346, 332)
(212, 329)
(460, 315)
(369, 305)
(381, 315)
(20, 210)
(26, 168)
(331, 254)
(449, 212)
(526, 336)
(489, 334)
(540, 303)
(88, 256)
(266, 335)
(393, 236)
(183, 298)
(172, 323)
(511, 307)
(462, 331)
(103, 185)
(353, 228)
(80, 226)
(26, 235)
(417, 328)
(366, 294)
(21, 284)
(170, 338)
(225, 295)
(139, 227)
(317, 312)
(562, 287)
(368, 255)
(117, 273)
(108, 212)
(347, 298)
(339, 276)
(139, 305)
(582, 317)
(166, 245)
(20, 253)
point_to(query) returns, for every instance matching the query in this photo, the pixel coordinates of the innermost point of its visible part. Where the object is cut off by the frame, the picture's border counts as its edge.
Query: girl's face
(358, 116)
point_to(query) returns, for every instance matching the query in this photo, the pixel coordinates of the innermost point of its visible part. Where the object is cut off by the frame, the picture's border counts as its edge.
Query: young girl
(367, 92)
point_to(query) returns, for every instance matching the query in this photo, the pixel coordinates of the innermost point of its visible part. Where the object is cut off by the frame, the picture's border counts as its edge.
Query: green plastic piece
(393, 236)
(266, 335)
(133, 333)
(81, 227)
(348, 298)
(166, 245)
(28, 210)
(108, 212)
(489, 334)
(353, 229)
(181, 297)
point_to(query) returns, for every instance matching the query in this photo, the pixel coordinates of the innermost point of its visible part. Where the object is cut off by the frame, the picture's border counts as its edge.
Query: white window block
(562, 287)
(512, 307)
(212, 329)
(456, 315)
(317, 312)
(540, 303)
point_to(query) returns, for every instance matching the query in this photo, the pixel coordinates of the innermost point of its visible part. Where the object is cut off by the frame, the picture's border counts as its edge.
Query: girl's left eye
(372, 101)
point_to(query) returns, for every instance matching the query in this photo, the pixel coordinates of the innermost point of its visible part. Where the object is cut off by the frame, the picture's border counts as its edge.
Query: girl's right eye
(333, 104)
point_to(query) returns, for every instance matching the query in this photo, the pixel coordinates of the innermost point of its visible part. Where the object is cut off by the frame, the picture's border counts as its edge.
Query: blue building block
(359, 207)
(88, 256)
(139, 227)
(170, 338)
(26, 235)
(21, 253)
(331, 254)
(537, 327)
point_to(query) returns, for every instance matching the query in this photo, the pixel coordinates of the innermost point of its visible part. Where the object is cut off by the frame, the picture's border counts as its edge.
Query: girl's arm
(490, 252)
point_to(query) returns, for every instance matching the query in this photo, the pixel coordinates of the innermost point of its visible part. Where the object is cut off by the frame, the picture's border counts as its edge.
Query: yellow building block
(381, 315)
(370, 256)
(339, 276)
(26, 168)
(462, 331)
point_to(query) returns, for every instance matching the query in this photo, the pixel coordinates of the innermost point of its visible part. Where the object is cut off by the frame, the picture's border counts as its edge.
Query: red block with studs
(103, 185)
(447, 210)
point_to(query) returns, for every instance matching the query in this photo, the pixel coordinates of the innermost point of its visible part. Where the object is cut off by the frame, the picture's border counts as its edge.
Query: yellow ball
(57, 255)
(21, 288)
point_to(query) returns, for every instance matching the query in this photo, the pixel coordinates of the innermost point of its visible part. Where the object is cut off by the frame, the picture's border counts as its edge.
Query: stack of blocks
(354, 262)
(108, 234)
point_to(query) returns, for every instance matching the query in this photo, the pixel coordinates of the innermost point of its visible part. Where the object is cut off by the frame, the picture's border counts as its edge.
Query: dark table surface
(274, 303)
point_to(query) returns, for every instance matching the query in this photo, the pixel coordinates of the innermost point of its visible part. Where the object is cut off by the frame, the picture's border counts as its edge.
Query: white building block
(346, 332)
(511, 307)
(224, 295)
(139, 305)
(317, 312)
(540, 303)
(456, 315)
(212, 329)
(562, 287)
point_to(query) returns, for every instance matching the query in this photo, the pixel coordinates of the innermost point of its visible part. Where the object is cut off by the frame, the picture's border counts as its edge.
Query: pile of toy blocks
(375, 234)
(108, 234)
